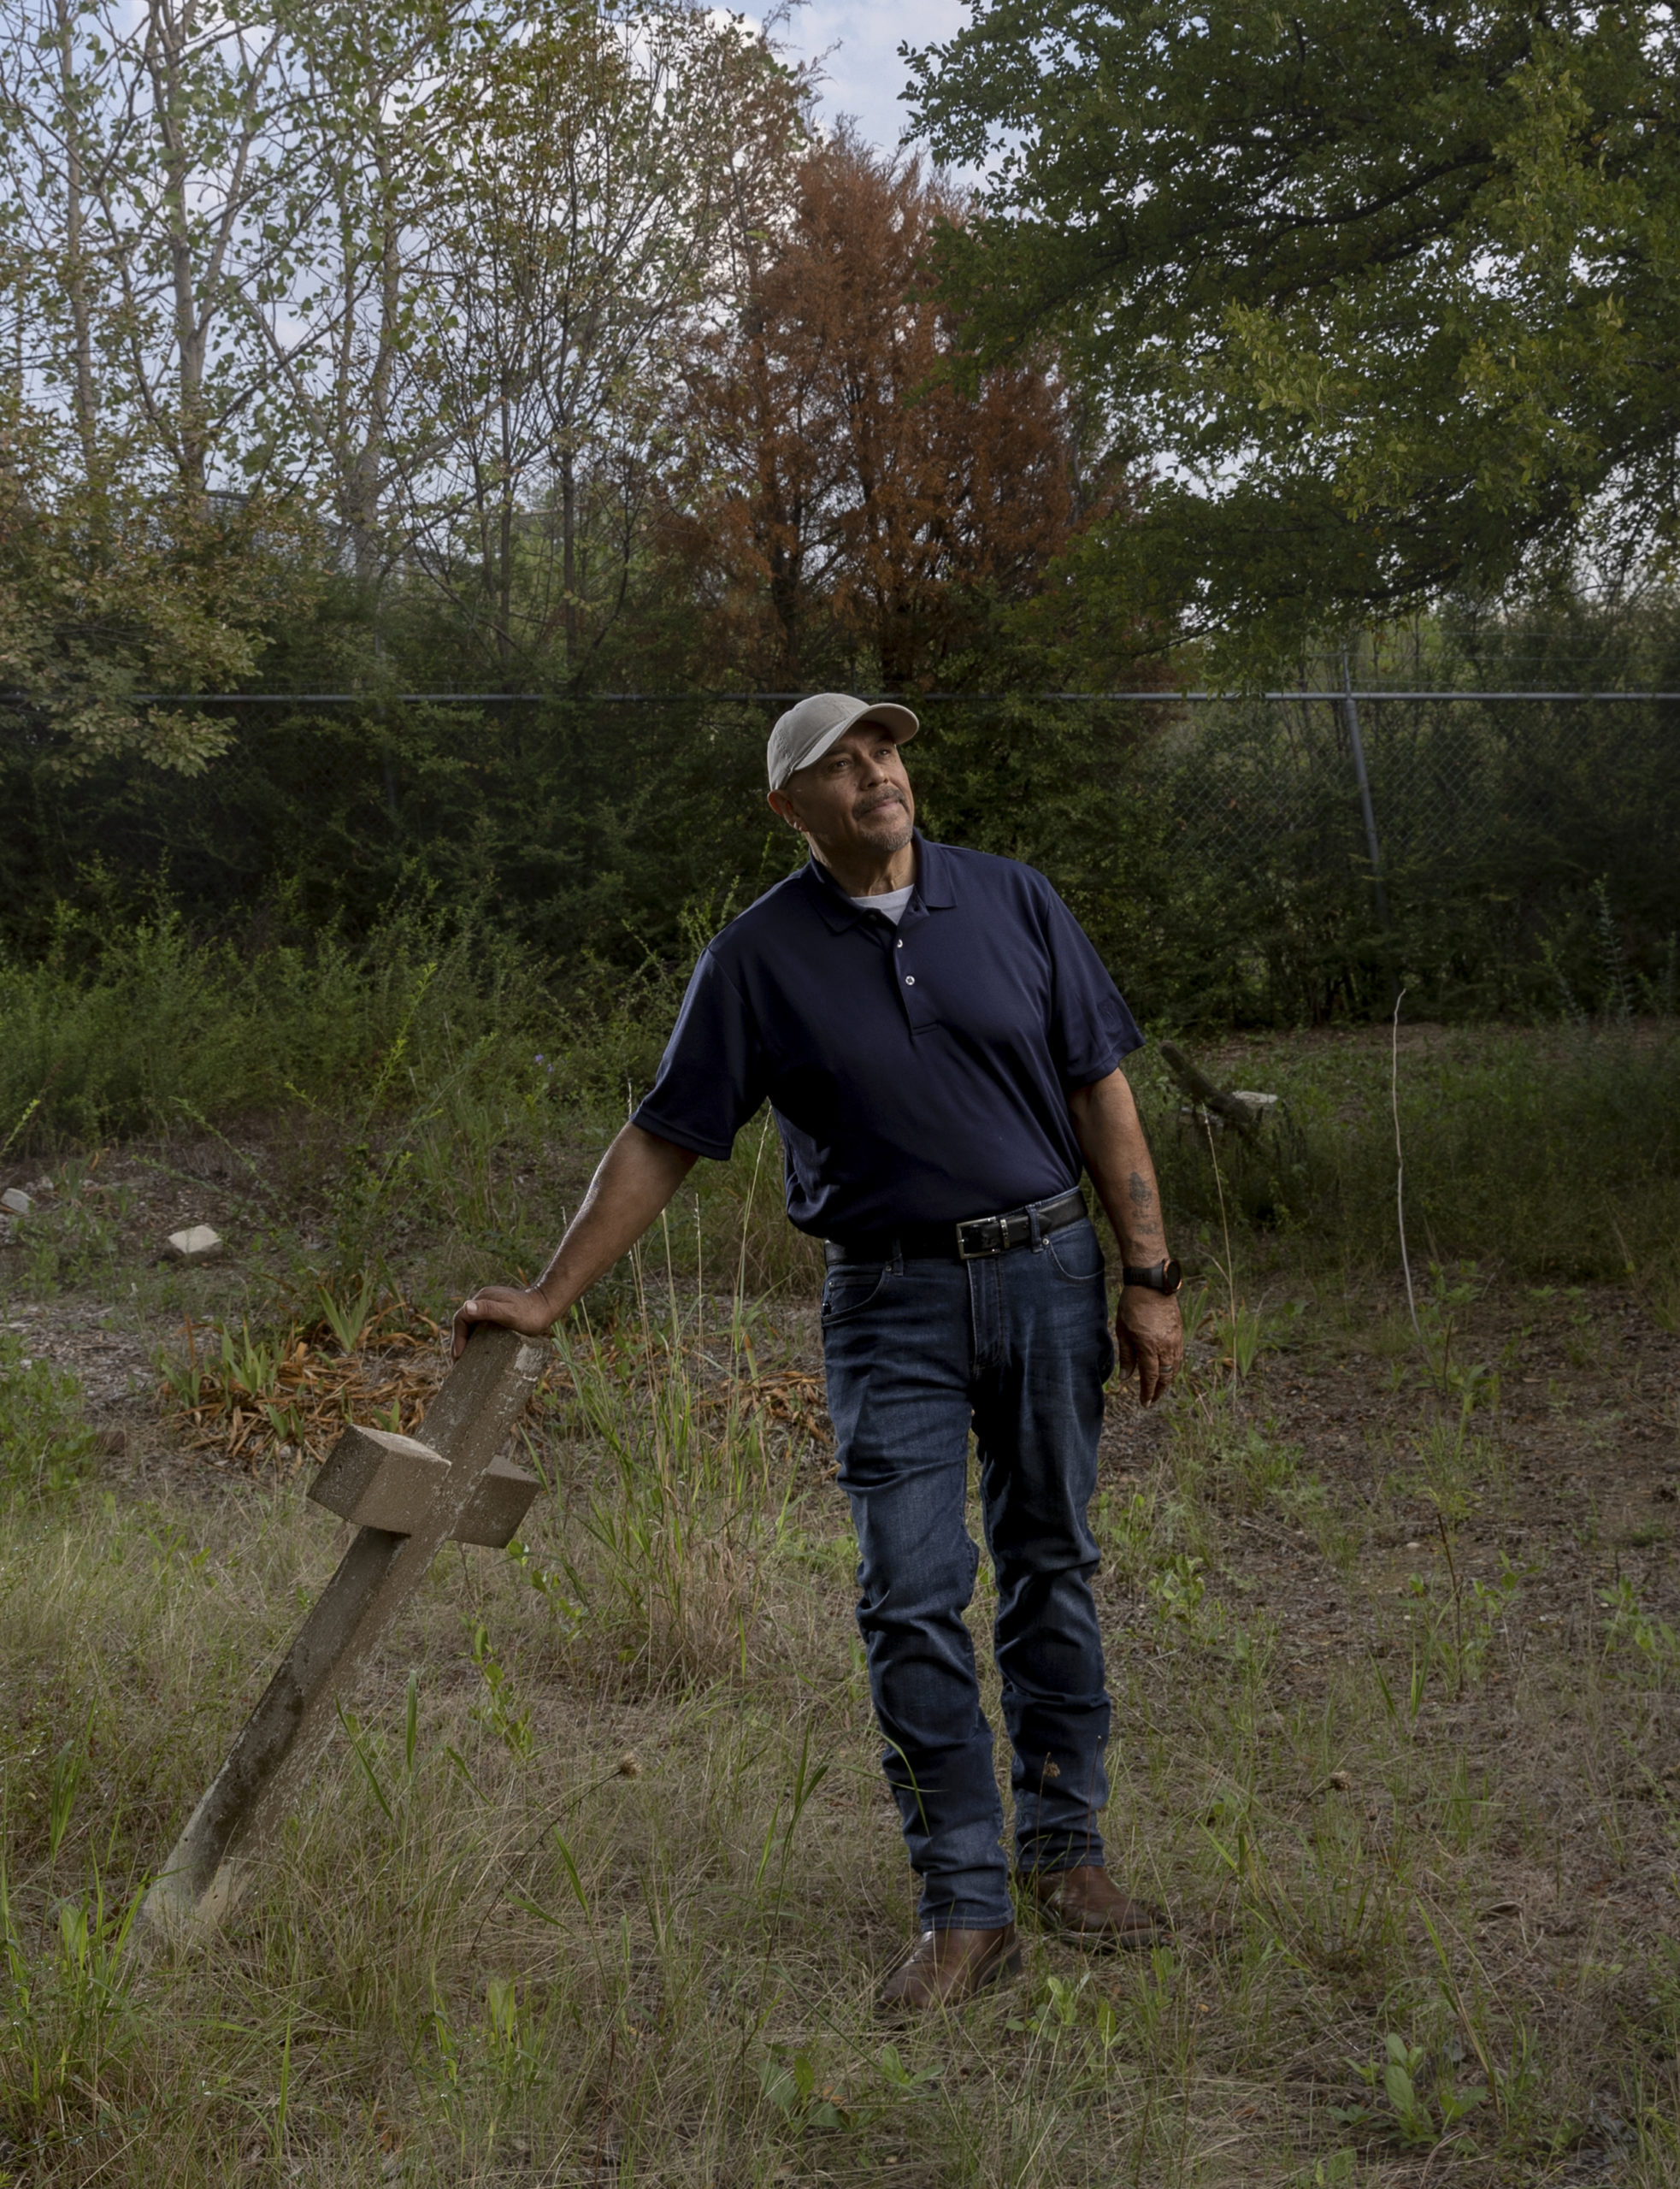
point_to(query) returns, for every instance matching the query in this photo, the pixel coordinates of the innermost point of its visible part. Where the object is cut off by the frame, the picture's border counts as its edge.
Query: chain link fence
(1528, 847)
(1451, 775)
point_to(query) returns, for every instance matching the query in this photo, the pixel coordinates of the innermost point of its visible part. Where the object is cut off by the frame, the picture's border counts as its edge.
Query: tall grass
(146, 1026)
(128, 1025)
(438, 1060)
(1547, 1151)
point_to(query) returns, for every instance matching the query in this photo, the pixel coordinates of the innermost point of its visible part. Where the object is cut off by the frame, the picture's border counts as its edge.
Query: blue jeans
(1018, 1346)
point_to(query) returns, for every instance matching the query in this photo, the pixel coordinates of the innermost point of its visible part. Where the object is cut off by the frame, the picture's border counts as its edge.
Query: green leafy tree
(600, 159)
(109, 590)
(1392, 288)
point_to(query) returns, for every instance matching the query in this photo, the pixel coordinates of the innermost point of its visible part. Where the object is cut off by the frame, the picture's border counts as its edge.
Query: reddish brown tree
(860, 510)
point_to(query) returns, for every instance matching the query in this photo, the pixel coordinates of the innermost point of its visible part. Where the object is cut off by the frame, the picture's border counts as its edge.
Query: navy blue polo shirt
(918, 1074)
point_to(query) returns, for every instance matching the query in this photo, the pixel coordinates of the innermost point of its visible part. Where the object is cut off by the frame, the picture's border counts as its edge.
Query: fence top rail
(1160, 699)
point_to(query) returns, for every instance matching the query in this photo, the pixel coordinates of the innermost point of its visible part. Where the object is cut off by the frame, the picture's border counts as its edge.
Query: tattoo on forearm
(1143, 1213)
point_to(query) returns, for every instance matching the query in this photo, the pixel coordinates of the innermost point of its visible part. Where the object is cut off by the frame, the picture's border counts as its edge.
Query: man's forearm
(1117, 1155)
(634, 1181)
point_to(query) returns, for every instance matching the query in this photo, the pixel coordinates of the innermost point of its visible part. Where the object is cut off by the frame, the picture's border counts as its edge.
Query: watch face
(1172, 1276)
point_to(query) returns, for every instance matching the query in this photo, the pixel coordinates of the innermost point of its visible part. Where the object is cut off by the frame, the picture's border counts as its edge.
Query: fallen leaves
(284, 1403)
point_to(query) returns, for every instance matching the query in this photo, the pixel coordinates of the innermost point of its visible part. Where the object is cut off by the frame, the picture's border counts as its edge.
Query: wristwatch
(1155, 1277)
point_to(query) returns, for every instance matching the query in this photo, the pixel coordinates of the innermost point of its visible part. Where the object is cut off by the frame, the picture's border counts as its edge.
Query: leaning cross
(407, 1499)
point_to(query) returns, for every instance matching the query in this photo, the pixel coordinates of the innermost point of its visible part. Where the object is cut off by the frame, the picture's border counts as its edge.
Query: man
(941, 1045)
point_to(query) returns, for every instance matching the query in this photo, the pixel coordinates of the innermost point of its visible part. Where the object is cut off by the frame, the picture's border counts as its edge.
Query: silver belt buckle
(993, 1225)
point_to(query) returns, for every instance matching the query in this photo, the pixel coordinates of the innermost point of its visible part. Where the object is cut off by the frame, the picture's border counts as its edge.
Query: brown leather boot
(1086, 1907)
(947, 1969)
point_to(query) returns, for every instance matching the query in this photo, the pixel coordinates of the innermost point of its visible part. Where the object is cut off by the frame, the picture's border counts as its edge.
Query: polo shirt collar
(935, 886)
(936, 875)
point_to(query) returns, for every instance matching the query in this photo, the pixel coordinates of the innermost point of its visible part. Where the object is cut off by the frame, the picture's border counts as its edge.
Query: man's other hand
(521, 1307)
(1149, 1337)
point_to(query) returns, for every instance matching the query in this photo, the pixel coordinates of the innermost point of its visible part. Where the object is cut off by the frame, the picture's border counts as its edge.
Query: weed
(70, 1239)
(1255, 1465)
(45, 1445)
(787, 2079)
(1238, 1333)
(1486, 1615)
(1127, 1524)
(242, 1388)
(70, 2015)
(1337, 1534)
(1416, 2119)
(348, 1316)
(1405, 1711)
(1662, 1301)
(260, 1398)
(1499, 1126)
(1455, 1466)
(499, 1712)
(1461, 1631)
(1330, 2173)
(1635, 1633)
(1177, 1594)
(491, 1942)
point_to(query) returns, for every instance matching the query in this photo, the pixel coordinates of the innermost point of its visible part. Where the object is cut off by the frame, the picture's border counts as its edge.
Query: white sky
(864, 73)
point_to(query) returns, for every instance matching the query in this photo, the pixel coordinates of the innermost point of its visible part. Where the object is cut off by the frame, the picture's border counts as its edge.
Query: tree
(416, 279)
(351, 327)
(1392, 284)
(144, 150)
(141, 150)
(105, 593)
(862, 501)
(597, 160)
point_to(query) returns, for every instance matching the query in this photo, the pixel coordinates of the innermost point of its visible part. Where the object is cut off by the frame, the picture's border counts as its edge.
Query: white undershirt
(892, 902)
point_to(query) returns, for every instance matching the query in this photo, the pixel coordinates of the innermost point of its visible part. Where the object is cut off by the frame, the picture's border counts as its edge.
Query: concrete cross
(407, 1499)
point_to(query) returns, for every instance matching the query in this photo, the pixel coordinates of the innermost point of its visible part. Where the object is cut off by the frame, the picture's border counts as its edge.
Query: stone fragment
(15, 1201)
(197, 1244)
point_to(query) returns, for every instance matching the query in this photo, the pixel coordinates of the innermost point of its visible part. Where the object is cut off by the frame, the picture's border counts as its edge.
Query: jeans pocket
(848, 1289)
(1075, 1253)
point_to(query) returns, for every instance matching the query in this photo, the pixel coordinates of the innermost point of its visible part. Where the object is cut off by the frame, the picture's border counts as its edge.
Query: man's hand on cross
(521, 1308)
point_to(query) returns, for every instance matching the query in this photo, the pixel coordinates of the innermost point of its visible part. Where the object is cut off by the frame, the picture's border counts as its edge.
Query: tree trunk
(365, 493)
(85, 399)
(504, 544)
(165, 36)
(568, 551)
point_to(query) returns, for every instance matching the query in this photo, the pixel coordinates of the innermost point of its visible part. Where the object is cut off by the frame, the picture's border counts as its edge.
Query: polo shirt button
(910, 980)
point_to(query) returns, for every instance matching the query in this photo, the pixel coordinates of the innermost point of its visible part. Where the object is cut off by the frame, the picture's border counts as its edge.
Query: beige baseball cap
(804, 733)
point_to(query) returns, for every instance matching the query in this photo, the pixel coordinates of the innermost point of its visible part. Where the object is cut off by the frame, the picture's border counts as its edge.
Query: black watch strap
(1156, 1276)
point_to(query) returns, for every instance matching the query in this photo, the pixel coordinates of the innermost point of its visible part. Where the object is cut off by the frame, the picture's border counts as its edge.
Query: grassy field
(599, 1875)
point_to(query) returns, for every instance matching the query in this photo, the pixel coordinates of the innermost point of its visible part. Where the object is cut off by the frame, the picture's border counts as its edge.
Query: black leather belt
(971, 1242)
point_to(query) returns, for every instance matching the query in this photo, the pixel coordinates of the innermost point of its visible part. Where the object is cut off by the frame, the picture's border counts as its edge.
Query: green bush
(124, 1025)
